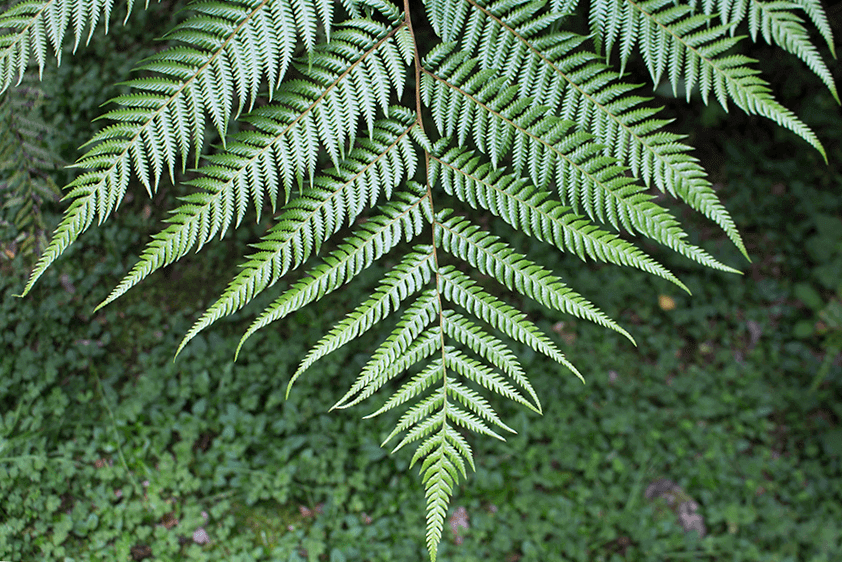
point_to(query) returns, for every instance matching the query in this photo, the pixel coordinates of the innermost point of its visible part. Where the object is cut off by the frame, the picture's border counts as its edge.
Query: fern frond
(532, 212)
(282, 147)
(32, 28)
(394, 221)
(549, 67)
(816, 13)
(496, 259)
(674, 39)
(462, 290)
(478, 103)
(406, 278)
(766, 16)
(489, 347)
(371, 170)
(165, 115)
(530, 126)
(444, 450)
(442, 464)
(779, 25)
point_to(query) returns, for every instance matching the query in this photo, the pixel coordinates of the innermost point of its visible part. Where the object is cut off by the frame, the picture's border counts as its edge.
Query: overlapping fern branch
(510, 113)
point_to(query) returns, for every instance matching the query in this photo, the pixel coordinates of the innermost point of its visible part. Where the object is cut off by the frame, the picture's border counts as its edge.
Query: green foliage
(341, 120)
(25, 166)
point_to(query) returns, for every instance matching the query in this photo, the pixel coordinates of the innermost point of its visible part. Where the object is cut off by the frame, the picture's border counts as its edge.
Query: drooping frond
(165, 115)
(549, 67)
(372, 170)
(257, 164)
(779, 24)
(400, 219)
(546, 147)
(533, 212)
(403, 280)
(32, 28)
(530, 126)
(815, 11)
(496, 259)
(693, 53)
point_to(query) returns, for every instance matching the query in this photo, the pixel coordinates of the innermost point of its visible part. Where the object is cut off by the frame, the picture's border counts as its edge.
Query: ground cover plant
(587, 175)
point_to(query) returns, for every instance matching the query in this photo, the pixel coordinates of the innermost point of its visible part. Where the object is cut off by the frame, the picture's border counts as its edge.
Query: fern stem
(436, 504)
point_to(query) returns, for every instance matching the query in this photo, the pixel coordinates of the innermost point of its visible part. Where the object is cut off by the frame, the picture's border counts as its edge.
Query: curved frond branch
(372, 169)
(768, 15)
(815, 11)
(499, 261)
(167, 113)
(531, 211)
(405, 279)
(546, 146)
(549, 68)
(394, 221)
(225, 188)
(33, 27)
(781, 26)
(674, 39)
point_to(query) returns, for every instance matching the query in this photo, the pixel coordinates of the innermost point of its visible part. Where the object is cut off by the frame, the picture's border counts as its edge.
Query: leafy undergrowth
(109, 450)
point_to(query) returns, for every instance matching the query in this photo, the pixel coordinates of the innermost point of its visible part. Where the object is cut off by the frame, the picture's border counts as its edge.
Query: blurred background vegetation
(728, 412)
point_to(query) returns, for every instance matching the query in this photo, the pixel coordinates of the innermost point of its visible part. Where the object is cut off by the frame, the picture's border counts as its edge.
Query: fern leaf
(674, 39)
(372, 239)
(34, 27)
(195, 79)
(249, 167)
(779, 25)
(534, 213)
(497, 260)
(440, 471)
(545, 146)
(814, 10)
(373, 169)
(548, 67)
(530, 126)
